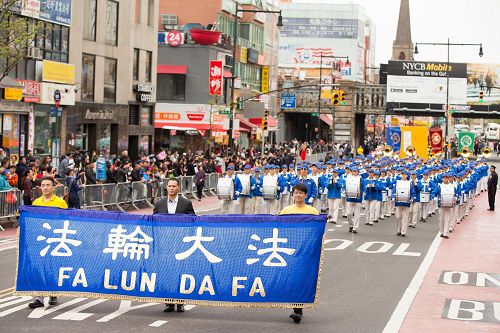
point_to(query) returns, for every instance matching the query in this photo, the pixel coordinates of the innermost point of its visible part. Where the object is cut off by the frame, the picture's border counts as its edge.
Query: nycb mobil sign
(426, 82)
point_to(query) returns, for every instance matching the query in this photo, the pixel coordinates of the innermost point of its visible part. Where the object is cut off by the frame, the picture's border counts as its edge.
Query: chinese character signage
(258, 260)
(57, 11)
(215, 77)
(265, 79)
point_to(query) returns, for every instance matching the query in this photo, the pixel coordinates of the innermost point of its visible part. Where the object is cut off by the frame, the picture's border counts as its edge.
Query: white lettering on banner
(365, 247)
(80, 277)
(274, 249)
(76, 314)
(236, 284)
(66, 251)
(146, 281)
(197, 239)
(134, 244)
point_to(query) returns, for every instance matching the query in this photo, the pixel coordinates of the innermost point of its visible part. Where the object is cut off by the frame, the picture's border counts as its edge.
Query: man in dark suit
(492, 187)
(173, 204)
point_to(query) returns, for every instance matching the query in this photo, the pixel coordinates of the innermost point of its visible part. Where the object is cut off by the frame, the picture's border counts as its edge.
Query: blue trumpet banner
(234, 260)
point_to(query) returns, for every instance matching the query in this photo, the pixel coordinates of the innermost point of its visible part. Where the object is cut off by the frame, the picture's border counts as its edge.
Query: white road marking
(189, 307)
(75, 314)
(339, 226)
(401, 310)
(331, 229)
(158, 323)
(125, 306)
(7, 240)
(8, 248)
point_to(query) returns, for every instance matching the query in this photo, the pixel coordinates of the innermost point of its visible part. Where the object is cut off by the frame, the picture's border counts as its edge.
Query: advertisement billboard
(483, 77)
(425, 82)
(320, 28)
(57, 11)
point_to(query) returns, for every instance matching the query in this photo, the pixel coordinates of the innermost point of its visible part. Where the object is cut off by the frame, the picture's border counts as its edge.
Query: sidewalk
(462, 285)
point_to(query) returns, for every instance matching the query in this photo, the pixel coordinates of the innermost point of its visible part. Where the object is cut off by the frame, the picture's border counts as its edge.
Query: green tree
(16, 34)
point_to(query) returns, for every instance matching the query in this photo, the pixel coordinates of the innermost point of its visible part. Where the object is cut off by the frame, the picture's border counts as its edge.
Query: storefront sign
(175, 38)
(57, 11)
(13, 94)
(215, 79)
(58, 72)
(47, 93)
(253, 56)
(99, 114)
(199, 116)
(265, 79)
(144, 92)
(243, 55)
(31, 91)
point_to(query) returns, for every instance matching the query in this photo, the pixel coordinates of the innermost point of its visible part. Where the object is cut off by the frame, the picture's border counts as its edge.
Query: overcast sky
(463, 21)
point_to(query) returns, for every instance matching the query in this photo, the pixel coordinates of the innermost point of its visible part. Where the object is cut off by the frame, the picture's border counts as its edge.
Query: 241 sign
(215, 77)
(175, 38)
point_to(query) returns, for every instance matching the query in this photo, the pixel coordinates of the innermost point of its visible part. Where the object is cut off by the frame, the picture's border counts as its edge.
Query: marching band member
(404, 194)
(258, 201)
(323, 181)
(389, 210)
(370, 193)
(314, 175)
(334, 187)
(415, 205)
(292, 175)
(343, 173)
(303, 177)
(230, 206)
(385, 194)
(425, 188)
(378, 196)
(445, 193)
(245, 197)
(354, 189)
(283, 187)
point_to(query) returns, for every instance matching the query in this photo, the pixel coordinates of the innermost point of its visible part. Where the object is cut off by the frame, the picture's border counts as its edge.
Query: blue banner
(235, 260)
(393, 138)
(58, 11)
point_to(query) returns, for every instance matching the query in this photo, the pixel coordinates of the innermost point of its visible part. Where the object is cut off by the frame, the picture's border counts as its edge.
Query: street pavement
(365, 279)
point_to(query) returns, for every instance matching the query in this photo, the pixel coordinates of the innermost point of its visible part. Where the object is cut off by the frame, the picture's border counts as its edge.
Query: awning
(227, 73)
(327, 118)
(245, 124)
(171, 69)
(178, 128)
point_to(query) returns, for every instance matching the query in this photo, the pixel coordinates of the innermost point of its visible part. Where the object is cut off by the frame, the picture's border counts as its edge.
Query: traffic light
(481, 96)
(264, 120)
(342, 97)
(335, 97)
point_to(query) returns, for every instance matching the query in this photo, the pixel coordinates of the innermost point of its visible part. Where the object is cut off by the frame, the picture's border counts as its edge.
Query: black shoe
(169, 308)
(334, 222)
(451, 230)
(403, 235)
(398, 234)
(296, 318)
(367, 223)
(350, 229)
(424, 220)
(354, 231)
(53, 300)
(36, 304)
(376, 221)
(446, 237)
(298, 311)
(491, 210)
(458, 222)
(441, 235)
(180, 307)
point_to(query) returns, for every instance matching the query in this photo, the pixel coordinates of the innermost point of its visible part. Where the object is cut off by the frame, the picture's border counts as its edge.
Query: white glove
(253, 188)
(237, 193)
(311, 199)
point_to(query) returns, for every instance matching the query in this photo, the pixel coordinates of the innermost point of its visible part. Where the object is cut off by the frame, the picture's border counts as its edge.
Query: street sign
(288, 100)
(226, 111)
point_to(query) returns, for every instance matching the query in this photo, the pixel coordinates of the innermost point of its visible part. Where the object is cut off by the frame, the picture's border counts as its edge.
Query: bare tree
(17, 33)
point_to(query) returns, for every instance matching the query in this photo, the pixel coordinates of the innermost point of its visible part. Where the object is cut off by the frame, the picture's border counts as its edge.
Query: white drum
(425, 197)
(225, 188)
(269, 187)
(384, 196)
(447, 195)
(403, 188)
(353, 187)
(245, 184)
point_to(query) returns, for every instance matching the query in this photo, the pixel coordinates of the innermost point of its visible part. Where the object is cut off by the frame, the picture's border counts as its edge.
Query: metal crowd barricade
(123, 194)
(213, 178)
(139, 194)
(152, 188)
(109, 192)
(9, 203)
(92, 196)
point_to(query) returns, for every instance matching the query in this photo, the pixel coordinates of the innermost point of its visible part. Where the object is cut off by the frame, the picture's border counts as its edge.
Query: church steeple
(402, 47)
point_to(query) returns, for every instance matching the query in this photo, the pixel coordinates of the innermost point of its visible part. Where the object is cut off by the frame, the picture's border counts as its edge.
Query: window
(133, 115)
(225, 24)
(149, 60)
(88, 76)
(254, 34)
(64, 39)
(146, 115)
(53, 40)
(138, 11)
(111, 22)
(48, 36)
(171, 87)
(90, 15)
(21, 69)
(135, 70)
(151, 8)
(109, 80)
(56, 41)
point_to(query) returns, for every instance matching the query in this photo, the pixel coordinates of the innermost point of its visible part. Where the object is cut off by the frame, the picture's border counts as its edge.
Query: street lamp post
(448, 44)
(321, 56)
(233, 69)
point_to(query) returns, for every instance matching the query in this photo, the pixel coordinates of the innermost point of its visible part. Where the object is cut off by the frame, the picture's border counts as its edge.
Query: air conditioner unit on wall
(34, 53)
(169, 19)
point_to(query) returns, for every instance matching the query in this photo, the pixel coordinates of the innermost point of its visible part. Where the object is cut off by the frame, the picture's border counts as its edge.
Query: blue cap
(291, 166)
(300, 167)
(247, 167)
(267, 167)
(231, 167)
(256, 170)
(335, 170)
(284, 166)
(354, 168)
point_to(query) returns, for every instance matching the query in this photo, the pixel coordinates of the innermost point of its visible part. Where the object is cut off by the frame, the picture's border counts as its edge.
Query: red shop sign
(215, 77)
(31, 91)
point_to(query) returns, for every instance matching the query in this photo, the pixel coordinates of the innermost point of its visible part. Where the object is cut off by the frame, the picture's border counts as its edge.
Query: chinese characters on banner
(265, 79)
(258, 260)
(436, 140)
(215, 77)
